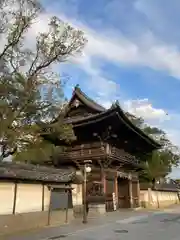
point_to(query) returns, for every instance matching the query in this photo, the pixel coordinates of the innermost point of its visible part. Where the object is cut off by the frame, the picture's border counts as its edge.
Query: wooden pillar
(138, 193)
(104, 181)
(49, 209)
(130, 194)
(104, 186)
(116, 190)
(67, 205)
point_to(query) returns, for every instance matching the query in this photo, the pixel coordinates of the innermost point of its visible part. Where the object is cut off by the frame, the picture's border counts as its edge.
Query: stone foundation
(96, 209)
(27, 221)
(78, 211)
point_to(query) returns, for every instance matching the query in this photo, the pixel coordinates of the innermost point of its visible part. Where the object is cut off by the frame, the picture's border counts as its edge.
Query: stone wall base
(26, 221)
(161, 204)
(78, 211)
(96, 209)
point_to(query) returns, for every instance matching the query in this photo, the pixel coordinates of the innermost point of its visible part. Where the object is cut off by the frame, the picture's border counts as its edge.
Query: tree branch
(16, 40)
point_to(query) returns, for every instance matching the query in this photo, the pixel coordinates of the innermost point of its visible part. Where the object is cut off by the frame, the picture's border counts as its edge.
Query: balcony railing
(97, 150)
(123, 156)
(84, 151)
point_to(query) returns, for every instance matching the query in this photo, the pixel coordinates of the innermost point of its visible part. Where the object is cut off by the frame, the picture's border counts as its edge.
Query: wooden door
(123, 193)
(109, 195)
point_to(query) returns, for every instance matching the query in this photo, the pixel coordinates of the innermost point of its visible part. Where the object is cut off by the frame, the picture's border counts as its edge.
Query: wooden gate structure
(113, 143)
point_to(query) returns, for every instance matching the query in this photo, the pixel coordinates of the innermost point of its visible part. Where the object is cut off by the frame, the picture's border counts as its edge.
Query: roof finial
(117, 103)
(77, 86)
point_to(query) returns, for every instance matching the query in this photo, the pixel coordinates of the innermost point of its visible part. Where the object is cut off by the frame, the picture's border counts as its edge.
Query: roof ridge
(136, 128)
(78, 90)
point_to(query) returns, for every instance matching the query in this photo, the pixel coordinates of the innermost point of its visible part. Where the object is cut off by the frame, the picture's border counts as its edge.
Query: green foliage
(156, 166)
(22, 128)
(137, 121)
(31, 94)
(159, 163)
(152, 130)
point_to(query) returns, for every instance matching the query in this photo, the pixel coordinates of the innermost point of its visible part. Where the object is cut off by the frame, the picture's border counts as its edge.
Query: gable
(81, 105)
(77, 108)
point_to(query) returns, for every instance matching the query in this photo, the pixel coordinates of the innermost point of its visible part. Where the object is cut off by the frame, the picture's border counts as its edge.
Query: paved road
(141, 226)
(159, 226)
(162, 226)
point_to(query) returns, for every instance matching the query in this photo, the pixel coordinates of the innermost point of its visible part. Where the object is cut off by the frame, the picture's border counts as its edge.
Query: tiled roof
(168, 187)
(22, 171)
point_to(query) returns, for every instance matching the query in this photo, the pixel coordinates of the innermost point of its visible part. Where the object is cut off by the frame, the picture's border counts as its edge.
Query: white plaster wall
(29, 198)
(6, 198)
(77, 194)
(156, 198)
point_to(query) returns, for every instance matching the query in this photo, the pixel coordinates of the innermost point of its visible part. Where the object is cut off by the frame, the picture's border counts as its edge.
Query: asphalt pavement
(127, 225)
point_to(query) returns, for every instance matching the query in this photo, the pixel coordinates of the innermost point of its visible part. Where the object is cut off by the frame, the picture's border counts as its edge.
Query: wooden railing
(97, 149)
(84, 151)
(123, 156)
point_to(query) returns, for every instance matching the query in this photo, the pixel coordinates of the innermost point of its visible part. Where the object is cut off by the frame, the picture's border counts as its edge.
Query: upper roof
(100, 113)
(30, 172)
(82, 97)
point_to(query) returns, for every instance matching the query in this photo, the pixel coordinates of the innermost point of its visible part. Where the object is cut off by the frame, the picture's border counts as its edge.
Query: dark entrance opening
(123, 193)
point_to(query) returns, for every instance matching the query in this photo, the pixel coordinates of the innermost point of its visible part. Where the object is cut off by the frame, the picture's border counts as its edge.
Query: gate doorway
(123, 193)
(109, 195)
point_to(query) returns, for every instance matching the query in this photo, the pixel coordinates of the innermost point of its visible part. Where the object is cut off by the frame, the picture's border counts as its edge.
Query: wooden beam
(100, 163)
(119, 167)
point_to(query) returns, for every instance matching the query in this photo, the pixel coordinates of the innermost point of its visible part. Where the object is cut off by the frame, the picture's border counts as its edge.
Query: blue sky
(133, 55)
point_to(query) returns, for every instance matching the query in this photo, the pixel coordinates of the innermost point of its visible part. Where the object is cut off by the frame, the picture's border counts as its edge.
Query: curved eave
(86, 120)
(135, 129)
(115, 111)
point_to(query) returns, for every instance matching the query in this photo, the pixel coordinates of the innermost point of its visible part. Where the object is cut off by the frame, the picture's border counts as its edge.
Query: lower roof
(30, 172)
(168, 187)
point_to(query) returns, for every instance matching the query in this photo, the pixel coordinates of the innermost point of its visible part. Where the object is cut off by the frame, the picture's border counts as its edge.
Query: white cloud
(175, 174)
(167, 121)
(143, 108)
(113, 46)
(104, 102)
